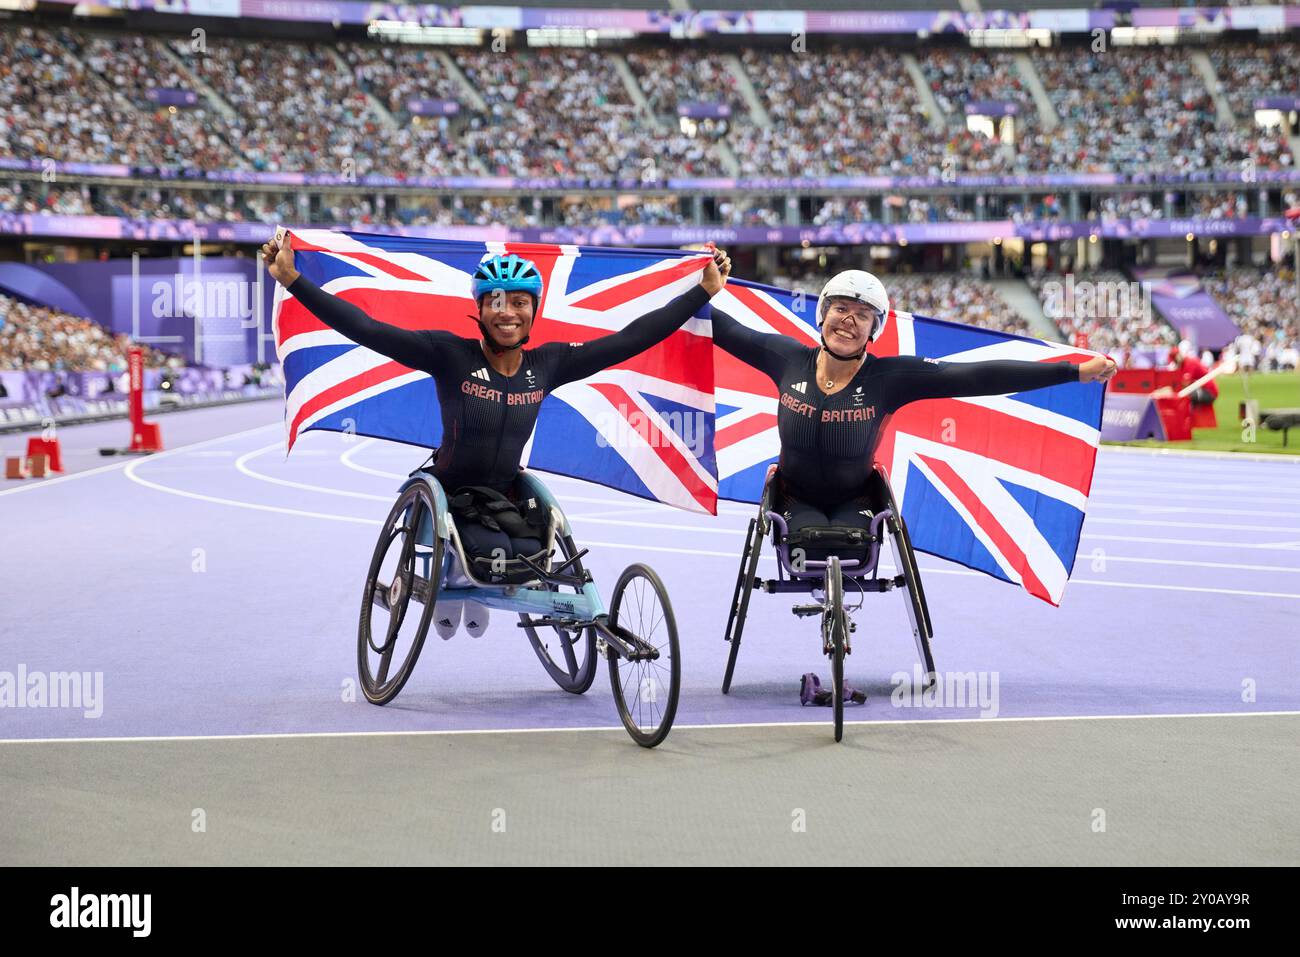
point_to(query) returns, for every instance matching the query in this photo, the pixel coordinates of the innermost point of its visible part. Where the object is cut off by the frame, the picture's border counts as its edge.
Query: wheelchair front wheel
(645, 689)
(569, 657)
(401, 569)
(835, 638)
(740, 600)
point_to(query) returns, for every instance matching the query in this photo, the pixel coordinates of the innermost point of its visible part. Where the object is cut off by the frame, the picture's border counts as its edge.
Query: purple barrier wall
(29, 400)
(103, 227)
(35, 284)
(170, 306)
(1225, 175)
(1127, 416)
(686, 23)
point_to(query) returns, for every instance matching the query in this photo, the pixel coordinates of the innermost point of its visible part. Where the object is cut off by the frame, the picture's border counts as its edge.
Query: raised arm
(418, 349)
(767, 352)
(909, 378)
(637, 336)
(580, 361)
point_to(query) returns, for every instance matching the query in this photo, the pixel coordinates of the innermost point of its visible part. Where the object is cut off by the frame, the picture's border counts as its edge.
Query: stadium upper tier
(358, 108)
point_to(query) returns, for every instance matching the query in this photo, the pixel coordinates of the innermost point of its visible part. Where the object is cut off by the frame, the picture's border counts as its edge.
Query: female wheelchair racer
(824, 499)
(489, 391)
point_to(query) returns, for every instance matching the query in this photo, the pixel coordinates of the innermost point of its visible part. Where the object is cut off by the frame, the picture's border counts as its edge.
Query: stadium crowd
(1263, 304)
(78, 96)
(1113, 324)
(40, 339)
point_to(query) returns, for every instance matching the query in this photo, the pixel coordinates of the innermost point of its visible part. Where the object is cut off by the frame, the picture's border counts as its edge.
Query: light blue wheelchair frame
(585, 609)
(578, 610)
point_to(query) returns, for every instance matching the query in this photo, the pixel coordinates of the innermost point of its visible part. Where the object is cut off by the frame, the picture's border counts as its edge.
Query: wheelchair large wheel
(569, 657)
(835, 638)
(918, 611)
(401, 570)
(645, 690)
(740, 599)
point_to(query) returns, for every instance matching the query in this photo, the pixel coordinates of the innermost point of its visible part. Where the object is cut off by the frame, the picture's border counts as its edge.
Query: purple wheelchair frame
(813, 568)
(809, 577)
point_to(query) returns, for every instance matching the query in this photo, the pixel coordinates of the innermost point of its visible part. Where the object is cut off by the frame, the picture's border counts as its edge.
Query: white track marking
(1165, 487)
(346, 460)
(810, 723)
(1198, 542)
(1192, 564)
(1186, 588)
(129, 472)
(932, 569)
(1278, 457)
(1223, 527)
(241, 464)
(1096, 495)
(1190, 509)
(131, 461)
(638, 546)
(711, 530)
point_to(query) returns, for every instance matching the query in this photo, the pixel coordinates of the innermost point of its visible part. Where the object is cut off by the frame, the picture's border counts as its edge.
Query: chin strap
(493, 346)
(836, 355)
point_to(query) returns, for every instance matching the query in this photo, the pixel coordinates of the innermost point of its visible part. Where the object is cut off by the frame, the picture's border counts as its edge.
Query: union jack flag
(999, 483)
(644, 426)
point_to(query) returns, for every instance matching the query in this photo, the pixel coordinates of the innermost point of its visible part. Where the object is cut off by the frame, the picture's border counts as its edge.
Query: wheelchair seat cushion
(843, 530)
(496, 531)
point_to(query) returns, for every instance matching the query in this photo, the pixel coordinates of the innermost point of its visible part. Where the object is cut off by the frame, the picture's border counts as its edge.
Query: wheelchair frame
(537, 601)
(829, 577)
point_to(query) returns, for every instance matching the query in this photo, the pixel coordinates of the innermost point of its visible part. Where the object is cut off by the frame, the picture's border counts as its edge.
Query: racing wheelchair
(850, 562)
(420, 557)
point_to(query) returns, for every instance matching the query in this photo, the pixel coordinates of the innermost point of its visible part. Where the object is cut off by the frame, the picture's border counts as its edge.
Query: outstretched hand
(716, 272)
(1100, 369)
(279, 261)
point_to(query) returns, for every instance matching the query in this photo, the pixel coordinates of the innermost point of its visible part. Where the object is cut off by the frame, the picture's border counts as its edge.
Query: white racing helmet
(859, 285)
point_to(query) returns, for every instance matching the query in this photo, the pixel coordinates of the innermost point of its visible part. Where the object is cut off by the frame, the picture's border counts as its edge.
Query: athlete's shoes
(446, 618)
(476, 618)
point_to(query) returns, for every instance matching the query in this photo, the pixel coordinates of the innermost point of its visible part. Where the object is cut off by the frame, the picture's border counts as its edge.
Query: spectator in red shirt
(1190, 369)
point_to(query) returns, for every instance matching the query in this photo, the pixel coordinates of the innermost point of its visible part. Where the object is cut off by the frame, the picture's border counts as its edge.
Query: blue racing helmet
(508, 273)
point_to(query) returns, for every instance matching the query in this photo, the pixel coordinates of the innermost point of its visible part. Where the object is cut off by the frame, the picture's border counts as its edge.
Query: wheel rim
(645, 689)
(569, 672)
(835, 621)
(403, 573)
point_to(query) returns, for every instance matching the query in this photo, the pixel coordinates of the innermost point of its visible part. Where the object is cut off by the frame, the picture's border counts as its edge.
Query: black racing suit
(827, 442)
(487, 417)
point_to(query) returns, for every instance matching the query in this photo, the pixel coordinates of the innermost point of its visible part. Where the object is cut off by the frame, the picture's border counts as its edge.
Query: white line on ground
(346, 460)
(810, 723)
(1189, 509)
(1234, 527)
(1197, 542)
(1278, 457)
(241, 464)
(125, 464)
(129, 472)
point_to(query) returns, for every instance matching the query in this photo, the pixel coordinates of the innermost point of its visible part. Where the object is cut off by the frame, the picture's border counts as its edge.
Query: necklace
(830, 379)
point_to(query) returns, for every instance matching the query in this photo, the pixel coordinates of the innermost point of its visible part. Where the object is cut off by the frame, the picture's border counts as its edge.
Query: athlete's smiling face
(847, 325)
(507, 315)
